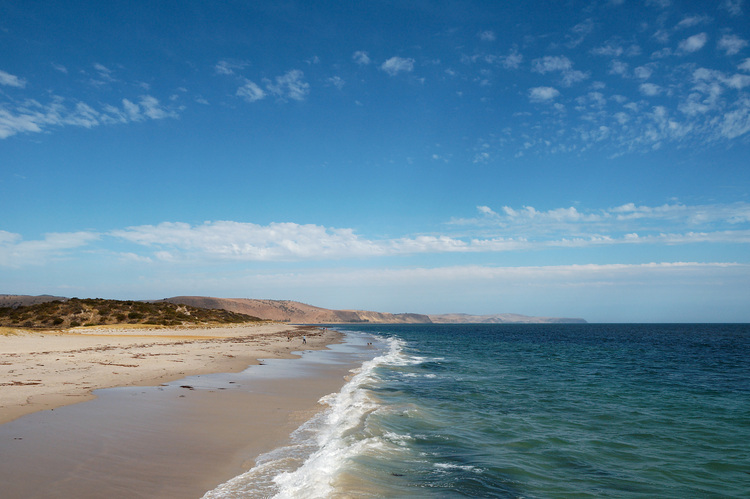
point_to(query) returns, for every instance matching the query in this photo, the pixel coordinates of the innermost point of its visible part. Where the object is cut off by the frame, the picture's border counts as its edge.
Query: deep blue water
(533, 411)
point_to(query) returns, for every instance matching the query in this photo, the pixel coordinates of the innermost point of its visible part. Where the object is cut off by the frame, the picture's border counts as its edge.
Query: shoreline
(46, 370)
(178, 430)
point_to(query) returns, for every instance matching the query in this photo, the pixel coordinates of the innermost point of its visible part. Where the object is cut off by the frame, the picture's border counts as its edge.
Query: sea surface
(525, 411)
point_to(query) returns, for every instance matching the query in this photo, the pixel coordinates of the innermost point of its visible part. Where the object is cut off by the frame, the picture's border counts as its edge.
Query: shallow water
(527, 411)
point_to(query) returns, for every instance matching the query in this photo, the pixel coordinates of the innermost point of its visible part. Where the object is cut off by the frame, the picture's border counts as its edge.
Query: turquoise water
(527, 411)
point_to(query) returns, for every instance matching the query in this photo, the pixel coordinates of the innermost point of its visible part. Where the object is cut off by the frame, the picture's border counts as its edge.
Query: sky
(573, 159)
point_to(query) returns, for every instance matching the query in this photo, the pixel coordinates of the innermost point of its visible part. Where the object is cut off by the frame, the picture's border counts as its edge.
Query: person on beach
(304, 340)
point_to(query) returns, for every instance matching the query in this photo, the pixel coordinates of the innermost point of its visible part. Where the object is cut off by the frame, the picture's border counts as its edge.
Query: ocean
(524, 411)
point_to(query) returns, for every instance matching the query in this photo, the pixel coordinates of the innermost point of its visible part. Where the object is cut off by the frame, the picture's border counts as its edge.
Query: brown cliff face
(296, 312)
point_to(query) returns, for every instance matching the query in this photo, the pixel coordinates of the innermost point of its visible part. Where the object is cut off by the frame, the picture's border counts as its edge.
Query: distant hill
(301, 313)
(75, 312)
(15, 301)
(282, 311)
(501, 319)
(296, 312)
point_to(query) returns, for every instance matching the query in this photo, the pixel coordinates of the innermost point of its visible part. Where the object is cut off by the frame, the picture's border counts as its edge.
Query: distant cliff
(501, 319)
(301, 313)
(296, 312)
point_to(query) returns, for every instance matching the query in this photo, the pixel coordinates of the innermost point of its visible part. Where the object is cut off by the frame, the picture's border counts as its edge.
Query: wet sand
(177, 439)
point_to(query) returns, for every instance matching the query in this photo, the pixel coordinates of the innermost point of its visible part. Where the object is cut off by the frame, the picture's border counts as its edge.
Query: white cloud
(512, 61)
(744, 65)
(734, 7)
(579, 32)
(618, 68)
(15, 252)
(609, 49)
(693, 43)
(665, 223)
(361, 58)
(250, 91)
(551, 63)
(561, 227)
(574, 76)
(690, 21)
(147, 107)
(32, 116)
(396, 65)
(487, 36)
(543, 94)
(737, 81)
(561, 64)
(736, 122)
(11, 80)
(336, 81)
(290, 85)
(223, 68)
(643, 72)
(152, 109)
(226, 240)
(228, 67)
(731, 44)
(104, 75)
(649, 89)
(503, 230)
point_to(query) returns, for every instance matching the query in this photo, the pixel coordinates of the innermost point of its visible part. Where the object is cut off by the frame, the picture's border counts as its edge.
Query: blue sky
(586, 159)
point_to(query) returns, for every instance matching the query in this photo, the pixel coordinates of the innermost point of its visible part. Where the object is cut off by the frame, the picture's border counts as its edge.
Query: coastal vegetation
(74, 312)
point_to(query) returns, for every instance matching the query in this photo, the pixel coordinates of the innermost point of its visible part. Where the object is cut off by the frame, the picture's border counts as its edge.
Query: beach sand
(153, 437)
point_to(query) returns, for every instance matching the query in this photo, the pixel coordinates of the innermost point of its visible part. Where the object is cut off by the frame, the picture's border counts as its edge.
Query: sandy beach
(176, 441)
(45, 370)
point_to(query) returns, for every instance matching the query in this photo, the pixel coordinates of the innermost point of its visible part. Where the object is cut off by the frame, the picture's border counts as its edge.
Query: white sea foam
(448, 466)
(336, 443)
(324, 443)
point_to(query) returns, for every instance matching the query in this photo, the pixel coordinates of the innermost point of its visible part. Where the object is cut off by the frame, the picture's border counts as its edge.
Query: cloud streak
(10, 80)
(505, 230)
(32, 116)
(16, 253)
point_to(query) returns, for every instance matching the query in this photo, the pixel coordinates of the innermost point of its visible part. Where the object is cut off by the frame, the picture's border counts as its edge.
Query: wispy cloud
(290, 85)
(734, 7)
(543, 94)
(525, 229)
(247, 241)
(502, 230)
(15, 252)
(731, 44)
(11, 80)
(33, 116)
(487, 36)
(619, 220)
(225, 67)
(250, 91)
(396, 65)
(559, 64)
(361, 58)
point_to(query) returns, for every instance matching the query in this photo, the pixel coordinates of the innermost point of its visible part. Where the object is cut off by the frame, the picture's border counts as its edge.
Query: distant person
(304, 340)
